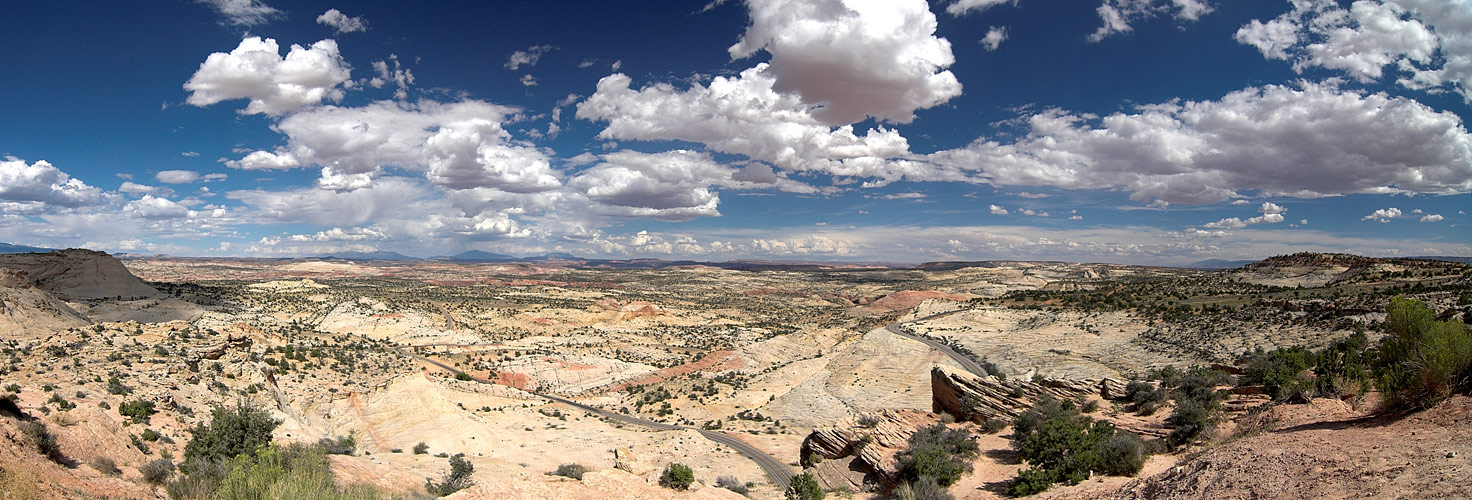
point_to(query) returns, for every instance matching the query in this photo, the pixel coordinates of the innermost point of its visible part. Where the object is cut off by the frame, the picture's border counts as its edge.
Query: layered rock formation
(979, 399)
(862, 454)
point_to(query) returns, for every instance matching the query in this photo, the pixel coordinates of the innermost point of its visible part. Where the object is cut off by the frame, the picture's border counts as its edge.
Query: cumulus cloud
(1315, 140)
(131, 187)
(673, 185)
(397, 75)
(341, 22)
(274, 85)
(151, 207)
(1427, 43)
(1432, 218)
(42, 183)
(745, 115)
(997, 210)
(265, 160)
(1116, 15)
(528, 57)
(1383, 215)
(177, 176)
(994, 38)
(1269, 207)
(965, 6)
(243, 12)
(458, 145)
(853, 59)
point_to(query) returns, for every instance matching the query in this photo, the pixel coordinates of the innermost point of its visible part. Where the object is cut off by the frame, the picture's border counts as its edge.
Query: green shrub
(137, 410)
(149, 435)
(157, 471)
(677, 476)
(993, 426)
(939, 452)
(462, 376)
(453, 480)
(1144, 397)
(343, 445)
(1189, 420)
(574, 471)
(803, 487)
(1422, 361)
(421, 448)
(231, 432)
(1122, 455)
(1062, 445)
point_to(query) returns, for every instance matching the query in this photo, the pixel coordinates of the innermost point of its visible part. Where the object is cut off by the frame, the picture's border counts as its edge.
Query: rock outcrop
(76, 274)
(861, 454)
(27, 309)
(979, 399)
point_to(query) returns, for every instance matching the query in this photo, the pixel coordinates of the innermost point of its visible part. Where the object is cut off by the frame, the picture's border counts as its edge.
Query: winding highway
(965, 361)
(775, 469)
(779, 473)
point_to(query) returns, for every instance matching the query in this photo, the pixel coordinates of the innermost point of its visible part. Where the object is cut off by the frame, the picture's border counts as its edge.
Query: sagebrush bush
(43, 440)
(1061, 445)
(732, 483)
(574, 471)
(157, 471)
(105, 465)
(453, 480)
(230, 433)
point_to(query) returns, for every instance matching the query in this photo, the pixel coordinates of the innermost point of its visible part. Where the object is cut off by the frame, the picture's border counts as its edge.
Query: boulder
(862, 453)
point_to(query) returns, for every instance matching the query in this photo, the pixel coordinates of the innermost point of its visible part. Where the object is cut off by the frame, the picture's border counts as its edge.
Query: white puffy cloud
(1317, 140)
(744, 115)
(265, 160)
(1269, 207)
(853, 58)
(1428, 43)
(340, 234)
(341, 22)
(255, 70)
(472, 154)
(528, 57)
(385, 199)
(997, 210)
(1432, 218)
(994, 38)
(965, 6)
(1383, 215)
(1116, 15)
(674, 185)
(40, 182)
(177, 176)
(151, 207)
(243, 12)
(458, 145)
(400, 77)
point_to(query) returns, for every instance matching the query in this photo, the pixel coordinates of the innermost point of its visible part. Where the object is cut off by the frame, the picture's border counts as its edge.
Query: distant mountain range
(376, 255)
(1445, 258)
(9, 248)
(1219, 264)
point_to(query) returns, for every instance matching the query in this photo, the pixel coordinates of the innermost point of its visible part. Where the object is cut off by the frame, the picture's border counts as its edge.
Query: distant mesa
(78, 274)
(478, 256)
(9, 248)
(374, 255)
(1216, 264)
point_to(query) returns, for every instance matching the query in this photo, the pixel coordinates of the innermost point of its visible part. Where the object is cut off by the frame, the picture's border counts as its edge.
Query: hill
(478, 256)
(374, 255)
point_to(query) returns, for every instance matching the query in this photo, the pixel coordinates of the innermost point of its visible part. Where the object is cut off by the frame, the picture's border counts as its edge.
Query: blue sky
(1131, 131)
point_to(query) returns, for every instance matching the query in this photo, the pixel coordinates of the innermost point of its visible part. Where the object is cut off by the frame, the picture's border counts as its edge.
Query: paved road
(775, 469)
(965, 361)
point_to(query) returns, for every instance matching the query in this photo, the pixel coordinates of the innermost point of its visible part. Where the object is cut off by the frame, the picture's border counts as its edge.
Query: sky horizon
(1124, 131)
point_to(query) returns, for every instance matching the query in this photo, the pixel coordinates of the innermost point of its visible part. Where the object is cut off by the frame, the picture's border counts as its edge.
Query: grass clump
(105, 465)
(43, 440)
(733, 484)
(138, 411)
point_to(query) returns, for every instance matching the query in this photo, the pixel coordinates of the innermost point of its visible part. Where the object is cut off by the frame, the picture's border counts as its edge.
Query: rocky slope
(77, 274)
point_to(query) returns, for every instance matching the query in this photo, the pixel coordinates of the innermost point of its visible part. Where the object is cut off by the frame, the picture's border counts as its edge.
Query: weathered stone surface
(979, 399)
(862, 453)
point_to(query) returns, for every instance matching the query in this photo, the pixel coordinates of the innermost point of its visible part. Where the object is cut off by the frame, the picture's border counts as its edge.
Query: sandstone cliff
(979, 399)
